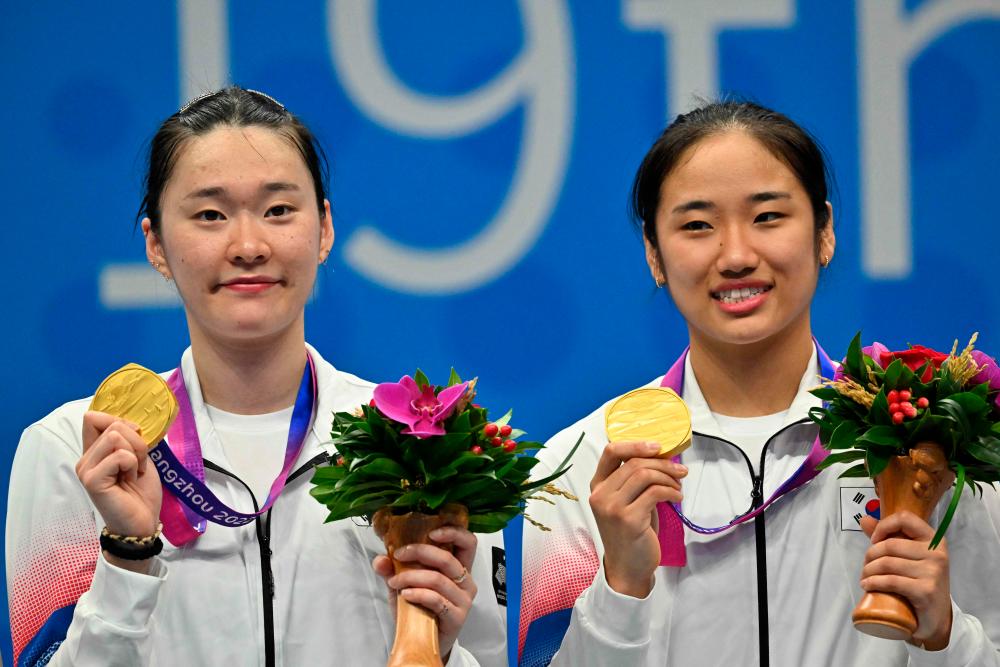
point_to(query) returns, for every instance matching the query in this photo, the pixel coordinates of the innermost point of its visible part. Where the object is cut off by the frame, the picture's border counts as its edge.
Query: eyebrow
(693, 205)
(219, 191)
(703, 205)
(768, 196)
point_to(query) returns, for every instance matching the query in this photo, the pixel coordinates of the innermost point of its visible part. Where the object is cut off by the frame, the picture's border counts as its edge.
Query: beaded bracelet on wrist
(128, 547)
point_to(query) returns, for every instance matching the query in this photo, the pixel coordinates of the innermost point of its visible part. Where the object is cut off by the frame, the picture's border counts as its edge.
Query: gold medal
(140, 396)
(650, 414)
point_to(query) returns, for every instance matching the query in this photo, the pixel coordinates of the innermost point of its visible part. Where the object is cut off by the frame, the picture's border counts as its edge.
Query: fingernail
(435, 534)
(682, 469)
(402, 551)
(406, 592)
(652, 447)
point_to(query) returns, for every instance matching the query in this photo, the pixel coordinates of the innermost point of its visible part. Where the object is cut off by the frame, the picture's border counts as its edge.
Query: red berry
(491, 430)
(897, 418)
(509, 446)
(496, 441)
(904, 395)
(910, 411)
(893, 396)
(922, 402)
(476, 449)
(505, 430)
(893, 407)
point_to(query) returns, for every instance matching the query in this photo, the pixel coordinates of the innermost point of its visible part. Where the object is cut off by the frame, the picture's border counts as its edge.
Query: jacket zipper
(760, 538)
(263, 532)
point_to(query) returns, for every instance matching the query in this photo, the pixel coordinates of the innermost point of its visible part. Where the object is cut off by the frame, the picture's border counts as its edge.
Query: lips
(739, 294)
(741, 298)
(249, 284)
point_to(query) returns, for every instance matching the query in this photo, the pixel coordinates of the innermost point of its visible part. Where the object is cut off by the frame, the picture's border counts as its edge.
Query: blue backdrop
(482, 156)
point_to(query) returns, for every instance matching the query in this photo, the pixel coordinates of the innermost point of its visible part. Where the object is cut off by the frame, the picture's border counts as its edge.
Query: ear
(655, 263)
(827, 238)
(154, 249)
(325, 232)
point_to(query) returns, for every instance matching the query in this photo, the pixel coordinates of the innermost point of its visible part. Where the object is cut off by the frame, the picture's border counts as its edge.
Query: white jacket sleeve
(974, 555)
(566, 604)
(67, 605)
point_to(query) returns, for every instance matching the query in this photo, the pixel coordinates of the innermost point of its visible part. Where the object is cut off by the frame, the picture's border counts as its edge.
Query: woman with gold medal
(235, 215)
(712, 541)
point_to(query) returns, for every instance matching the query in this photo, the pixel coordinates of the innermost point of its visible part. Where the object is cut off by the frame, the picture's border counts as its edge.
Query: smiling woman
(732, 200)
(235, 213)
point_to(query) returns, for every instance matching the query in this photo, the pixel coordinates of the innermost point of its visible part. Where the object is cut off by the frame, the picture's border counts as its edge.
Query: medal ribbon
(672, 519)
(188, 503)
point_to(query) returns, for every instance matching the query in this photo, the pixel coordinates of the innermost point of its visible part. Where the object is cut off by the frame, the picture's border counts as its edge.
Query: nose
(737, 256)
(248, 242)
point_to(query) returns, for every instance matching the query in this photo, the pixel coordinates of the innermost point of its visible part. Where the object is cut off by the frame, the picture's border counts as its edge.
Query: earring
(826, 261)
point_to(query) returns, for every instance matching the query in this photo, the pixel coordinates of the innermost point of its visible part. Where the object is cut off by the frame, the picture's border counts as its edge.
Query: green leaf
(824, 393)
(859, 470)
(955, 497)
(885, 436)
(875, 462)
(421, 379)
(844, 436)
(879, 411)
(505, 419)
(454, 378)
(842, 457)
(854, 364)
(891, 378)
(986, 449)
(564, 465)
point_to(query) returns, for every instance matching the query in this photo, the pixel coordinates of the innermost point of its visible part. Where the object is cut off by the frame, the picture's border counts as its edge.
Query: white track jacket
(810, 552)
(287, 584)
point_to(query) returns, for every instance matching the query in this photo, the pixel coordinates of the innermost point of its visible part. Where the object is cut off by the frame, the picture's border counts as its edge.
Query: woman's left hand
(899, 561)
(444, 586)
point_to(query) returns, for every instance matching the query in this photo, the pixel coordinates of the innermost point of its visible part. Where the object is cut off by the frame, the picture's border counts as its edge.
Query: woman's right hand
(630, 480)
(116, 474)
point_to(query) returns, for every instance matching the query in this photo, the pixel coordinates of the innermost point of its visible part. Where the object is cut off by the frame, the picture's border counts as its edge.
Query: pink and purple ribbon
(188, 503)
(672, 520)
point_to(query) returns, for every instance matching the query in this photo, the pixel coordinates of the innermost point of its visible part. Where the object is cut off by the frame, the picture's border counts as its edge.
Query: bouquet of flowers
(881, 404)
(417, 447)
(914, 420)
(419, 456)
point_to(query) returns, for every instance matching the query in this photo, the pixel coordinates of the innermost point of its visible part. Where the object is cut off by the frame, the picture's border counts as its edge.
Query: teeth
(738, 295)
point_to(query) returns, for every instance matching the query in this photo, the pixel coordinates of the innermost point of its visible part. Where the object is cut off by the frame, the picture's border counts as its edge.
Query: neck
(755, 379)
(250, 378)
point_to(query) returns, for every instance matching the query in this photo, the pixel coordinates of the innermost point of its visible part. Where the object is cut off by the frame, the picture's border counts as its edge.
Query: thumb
(868, 524)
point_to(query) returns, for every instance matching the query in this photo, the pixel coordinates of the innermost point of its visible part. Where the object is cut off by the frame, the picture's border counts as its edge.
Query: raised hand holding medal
(131, 410)
(645, 429)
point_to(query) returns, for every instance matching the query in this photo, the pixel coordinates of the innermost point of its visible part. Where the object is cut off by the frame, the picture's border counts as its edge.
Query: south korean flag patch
(855, 502)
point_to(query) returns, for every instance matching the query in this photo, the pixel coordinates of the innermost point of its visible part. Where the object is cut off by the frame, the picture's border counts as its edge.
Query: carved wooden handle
(915, 483)
(416, 643)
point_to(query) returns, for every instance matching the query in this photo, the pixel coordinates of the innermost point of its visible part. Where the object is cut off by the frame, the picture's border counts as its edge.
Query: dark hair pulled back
(233, 107)
(780, 135)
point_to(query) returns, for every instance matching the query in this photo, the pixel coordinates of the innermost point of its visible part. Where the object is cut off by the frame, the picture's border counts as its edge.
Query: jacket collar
(703, 421)
(332, 391)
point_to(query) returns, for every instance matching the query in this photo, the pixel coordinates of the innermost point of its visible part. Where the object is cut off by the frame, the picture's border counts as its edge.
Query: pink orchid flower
(421, 410)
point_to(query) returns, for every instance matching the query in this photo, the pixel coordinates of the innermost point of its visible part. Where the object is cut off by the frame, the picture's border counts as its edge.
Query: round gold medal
(650, 414)
(140, 396)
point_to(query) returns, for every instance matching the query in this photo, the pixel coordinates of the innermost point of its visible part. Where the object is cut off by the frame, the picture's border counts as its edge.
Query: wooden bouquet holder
(913, 482)
(416, 642)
